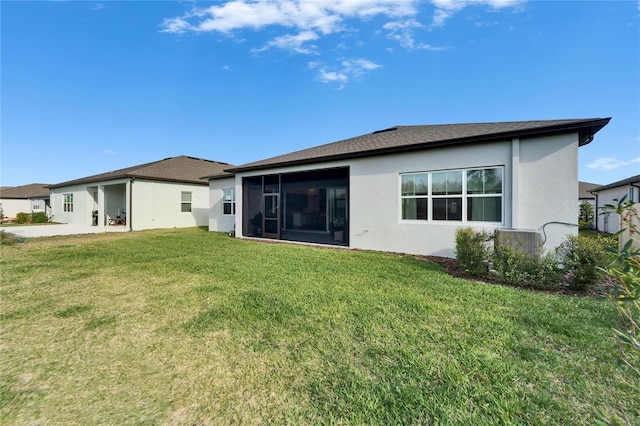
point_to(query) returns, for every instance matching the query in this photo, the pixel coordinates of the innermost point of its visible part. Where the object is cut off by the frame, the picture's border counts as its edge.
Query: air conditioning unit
(524, 240)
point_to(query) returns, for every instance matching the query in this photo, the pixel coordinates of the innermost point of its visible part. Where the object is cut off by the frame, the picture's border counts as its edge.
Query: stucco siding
(608, 221)
(158, 205)
(218, 221)
(376, 222)
(82, 205)
(11, 207)
(549, 186)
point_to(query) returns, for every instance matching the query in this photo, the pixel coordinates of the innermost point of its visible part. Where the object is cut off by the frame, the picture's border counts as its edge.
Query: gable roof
(624, 182)
(409, 138)
(25, 192)
(173, 169)
(584, 190)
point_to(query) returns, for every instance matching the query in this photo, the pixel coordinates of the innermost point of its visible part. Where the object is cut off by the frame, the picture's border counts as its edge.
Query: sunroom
(310, 206)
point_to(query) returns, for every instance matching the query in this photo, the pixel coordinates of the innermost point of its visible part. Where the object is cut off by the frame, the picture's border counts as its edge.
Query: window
(415, 193)
(472, 195)
(185, 205)
(446, 189)
(229, 201)
(67, 203)
(484, 195)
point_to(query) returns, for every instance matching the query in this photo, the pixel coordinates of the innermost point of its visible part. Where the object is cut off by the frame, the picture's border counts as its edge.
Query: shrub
(582, 259)
(515, 267)
(23, 218)
(472, 251)
(39, 217)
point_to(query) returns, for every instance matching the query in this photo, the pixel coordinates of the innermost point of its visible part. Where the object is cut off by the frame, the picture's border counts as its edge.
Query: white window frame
(67, 203)
(184, 203)
(229, 199)
(465, 196)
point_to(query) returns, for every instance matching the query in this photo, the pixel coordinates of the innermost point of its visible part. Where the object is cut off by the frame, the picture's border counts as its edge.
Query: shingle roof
(408, 138)
(33, 190)
(584, 189)
(623, 182)
(174, 169)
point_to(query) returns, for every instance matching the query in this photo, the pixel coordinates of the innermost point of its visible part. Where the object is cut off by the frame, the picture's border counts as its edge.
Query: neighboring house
(584, 192)
(163, 194)
(24, 199)
(409, 188)
(611, 194)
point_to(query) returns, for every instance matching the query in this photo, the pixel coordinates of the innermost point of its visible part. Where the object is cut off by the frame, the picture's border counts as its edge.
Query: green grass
(191, 327)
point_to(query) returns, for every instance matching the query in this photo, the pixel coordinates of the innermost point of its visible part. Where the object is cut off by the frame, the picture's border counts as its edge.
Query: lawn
(191, 327)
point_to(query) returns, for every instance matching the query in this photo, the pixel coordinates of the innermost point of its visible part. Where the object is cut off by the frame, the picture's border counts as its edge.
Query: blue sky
(89, 87)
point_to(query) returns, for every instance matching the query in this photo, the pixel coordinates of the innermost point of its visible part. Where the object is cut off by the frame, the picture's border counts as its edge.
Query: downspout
(595, 214)
(131, 203)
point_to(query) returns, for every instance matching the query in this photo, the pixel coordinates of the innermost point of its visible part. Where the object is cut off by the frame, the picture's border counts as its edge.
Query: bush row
(577, 263)
(37, 217)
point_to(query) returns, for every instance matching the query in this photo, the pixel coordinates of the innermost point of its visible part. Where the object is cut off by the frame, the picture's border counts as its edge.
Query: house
(24, 199)
(611, 194)
(163, 194)
(584, 192)
(408, 188)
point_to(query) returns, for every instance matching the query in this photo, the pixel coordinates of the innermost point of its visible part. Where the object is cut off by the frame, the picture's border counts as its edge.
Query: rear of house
(30, 198)
(611, 194)
(409, 188)
(170, 193)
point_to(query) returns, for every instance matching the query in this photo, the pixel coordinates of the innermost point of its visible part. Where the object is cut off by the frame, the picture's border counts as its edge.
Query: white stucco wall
(548, 186)
(157, 205)
(82, 205)
(11, 207)
(541, 174)
(218, 221)
(607, 221)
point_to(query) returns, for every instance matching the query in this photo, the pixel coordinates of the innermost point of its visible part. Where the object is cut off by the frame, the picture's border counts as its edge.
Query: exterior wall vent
(523, 240)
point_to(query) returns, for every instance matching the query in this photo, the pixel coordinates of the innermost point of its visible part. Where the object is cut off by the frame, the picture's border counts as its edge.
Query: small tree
(585, 218)
(626, 268)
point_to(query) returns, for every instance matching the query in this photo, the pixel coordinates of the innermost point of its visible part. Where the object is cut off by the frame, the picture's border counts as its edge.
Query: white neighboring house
(24, 199)
(611, 194)
(409, 188)
(584, 194)
(170, 193)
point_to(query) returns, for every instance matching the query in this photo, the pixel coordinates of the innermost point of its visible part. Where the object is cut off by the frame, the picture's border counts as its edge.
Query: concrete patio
(53, 230)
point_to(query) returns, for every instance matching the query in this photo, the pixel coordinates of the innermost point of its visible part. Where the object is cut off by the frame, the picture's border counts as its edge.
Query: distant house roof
(624, 182)
(25, 192)
(409, 138)
(584, 189)
(174, 169)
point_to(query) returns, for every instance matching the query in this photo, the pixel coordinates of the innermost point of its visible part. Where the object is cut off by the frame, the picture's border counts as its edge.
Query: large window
(67, 204)
(229, 201)
(472, 195)
(185, 202)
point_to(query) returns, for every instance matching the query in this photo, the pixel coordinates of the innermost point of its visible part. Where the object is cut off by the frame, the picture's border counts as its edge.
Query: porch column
(515, 182)
(128, 201)
(101, 206)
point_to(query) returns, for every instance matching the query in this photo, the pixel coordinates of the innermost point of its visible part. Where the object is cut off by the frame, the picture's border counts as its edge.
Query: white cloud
(98, 6)
(345, 71)
(402, 32)
(445, 9)
(307, 18)
(109, 152)
(293, 42)
(611, 163)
